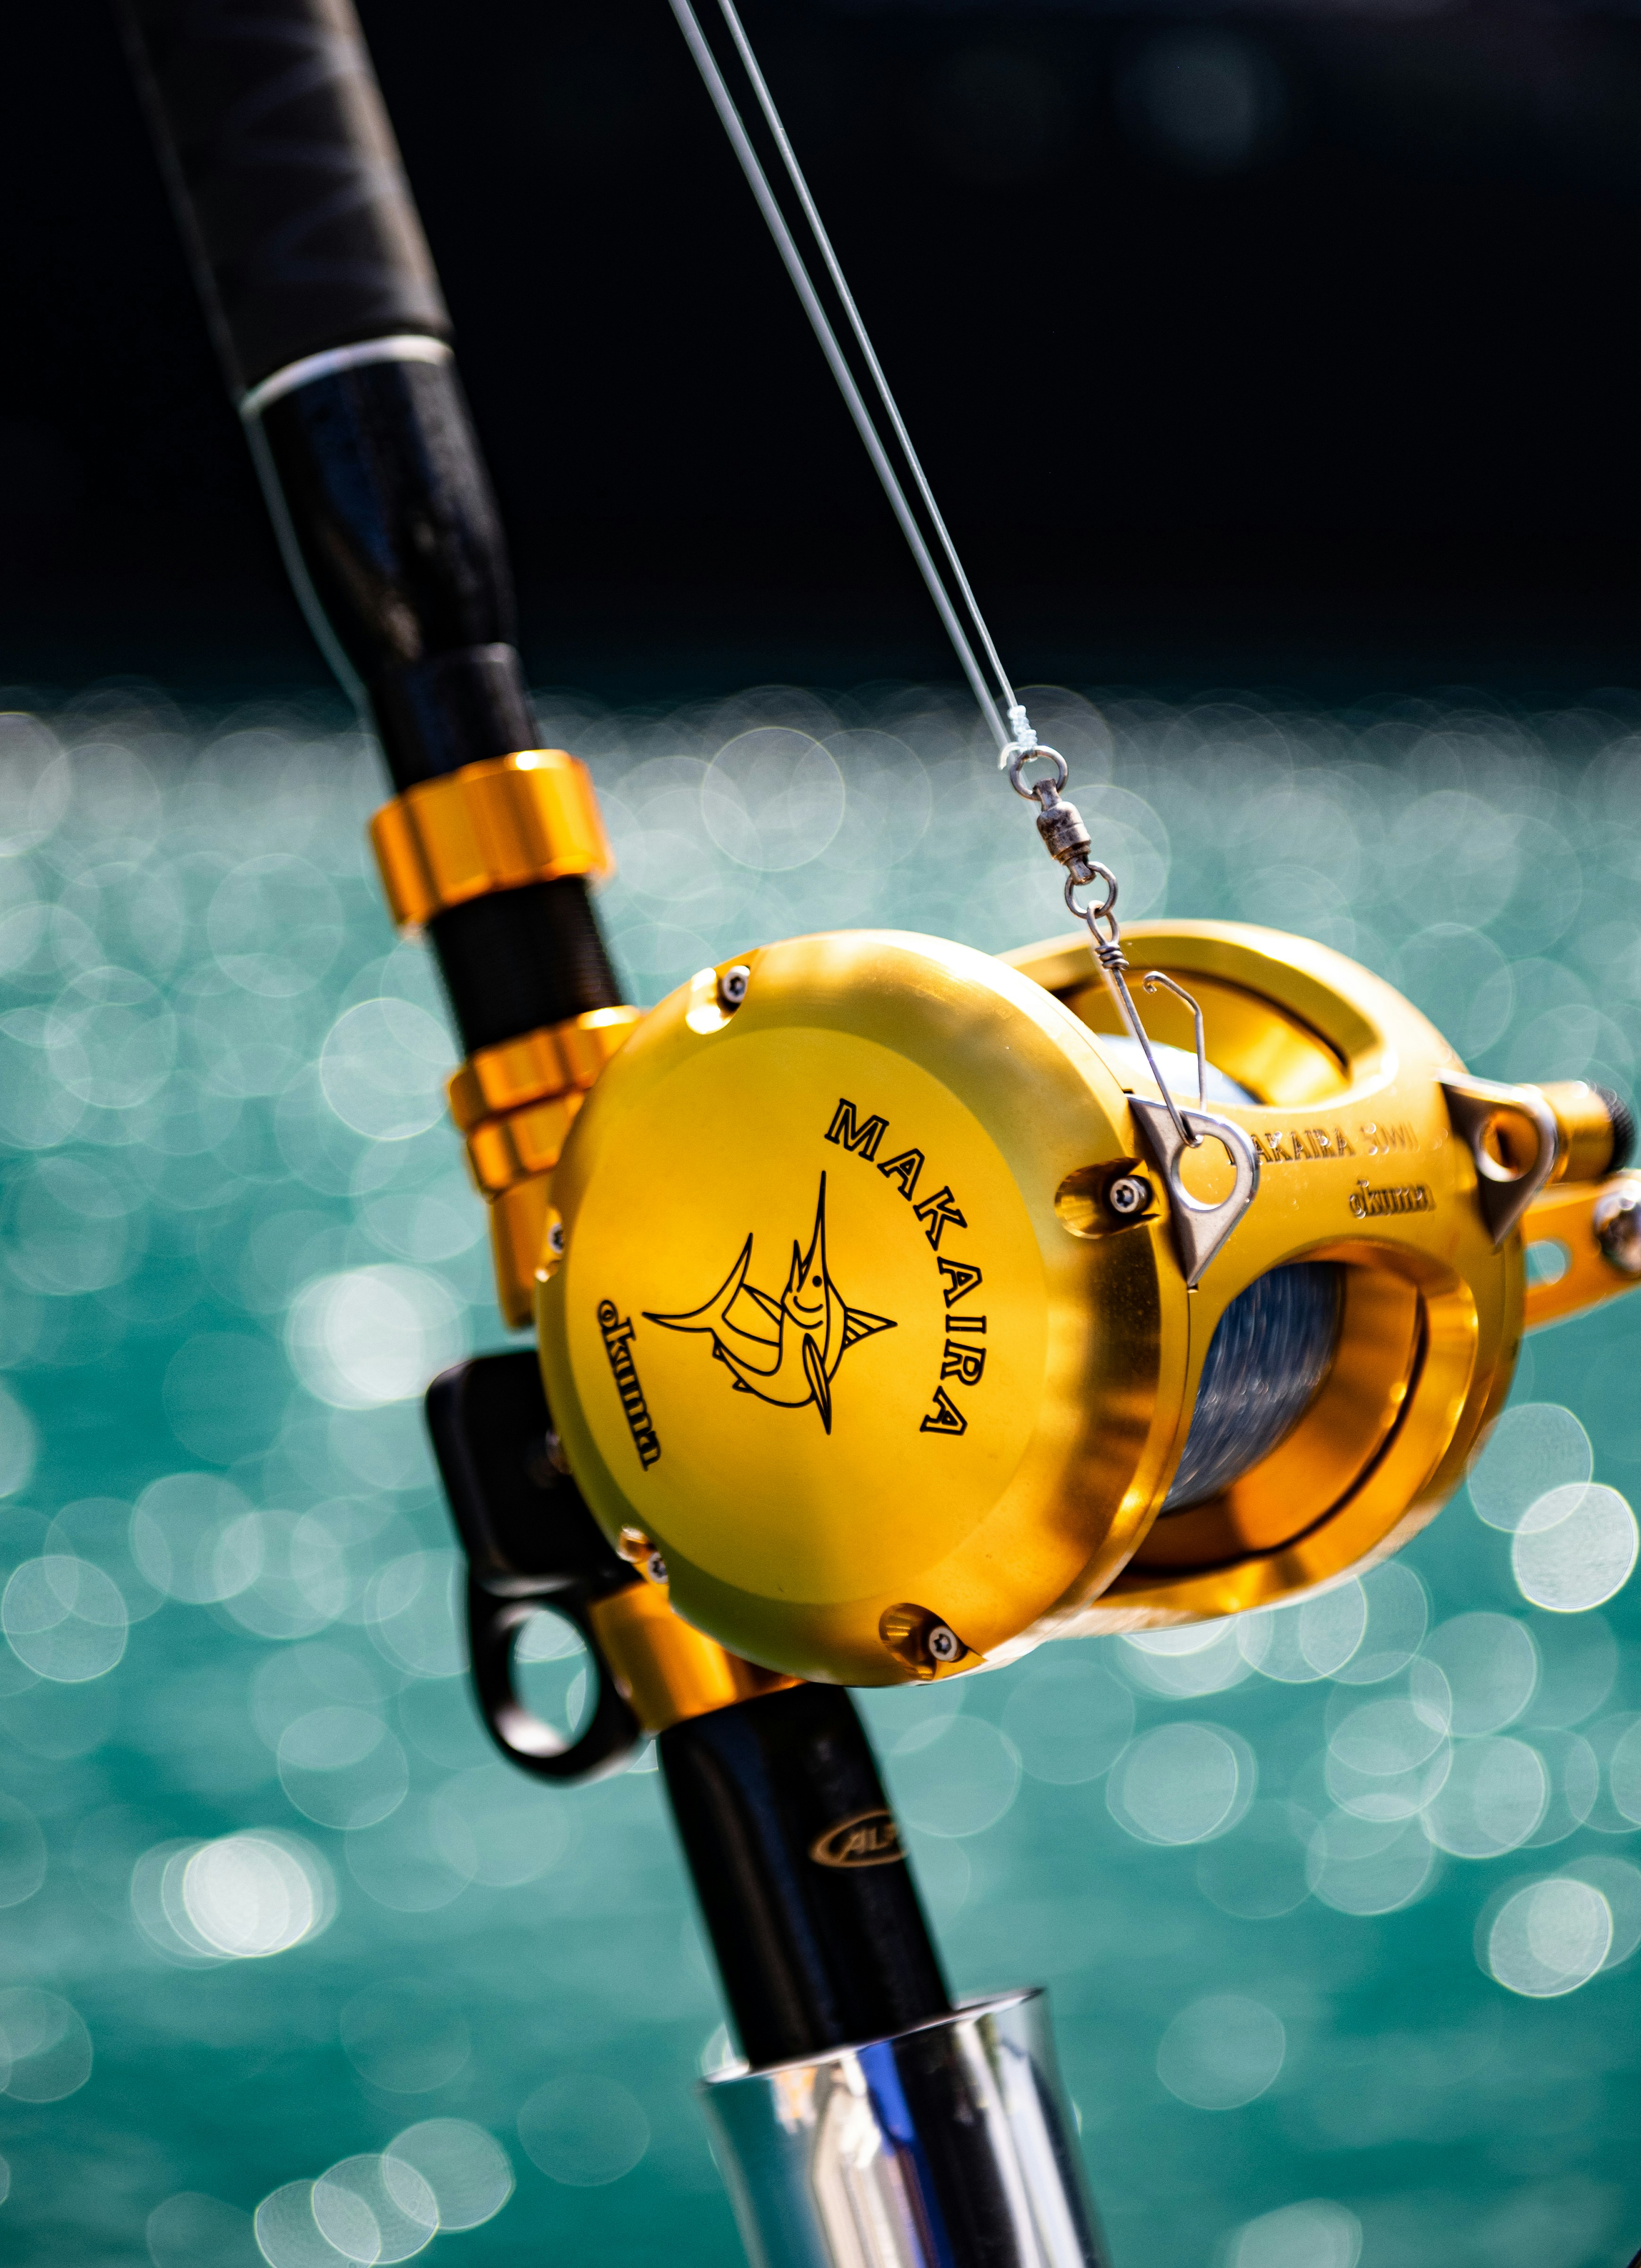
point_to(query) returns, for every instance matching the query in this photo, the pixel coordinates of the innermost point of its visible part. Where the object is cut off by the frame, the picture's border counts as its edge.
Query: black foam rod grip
(333, 332)
(285, 172)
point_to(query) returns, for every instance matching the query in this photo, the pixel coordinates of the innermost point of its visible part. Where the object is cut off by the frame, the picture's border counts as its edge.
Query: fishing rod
(1054, 1353)
(336, 342)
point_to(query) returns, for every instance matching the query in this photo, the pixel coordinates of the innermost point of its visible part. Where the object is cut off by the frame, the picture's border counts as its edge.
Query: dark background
(1238, 346)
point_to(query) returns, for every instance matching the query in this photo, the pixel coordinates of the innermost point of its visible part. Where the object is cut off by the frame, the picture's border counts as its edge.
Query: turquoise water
(268, 1906)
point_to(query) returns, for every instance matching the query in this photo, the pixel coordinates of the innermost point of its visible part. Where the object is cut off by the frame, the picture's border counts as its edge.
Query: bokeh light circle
(253, 1894)
(1257, 1872)
(191, 2230)
(1550, 1938)
(405, 1863)
(405, 2035)
(369, 1336)
(1368, 1866)
(505, 1833)
(65, 1618)
(1491, 1800)
(1185, 1664)
(1069, 1720)
(1300, 1644)
(244, 1897)
(1491, 1666)
(20, 1444)
(585, 2131)
(375, 2211)
(1534, 1447)
(383, 1069)
(44, 2043)
(955, 1777)
(341, 1767)
(186, 1538)
(1574, 1548)
(1180, 1784)
(1398, 1615)
(1222, 2052)
(465, 2169)
(289, 2236)
(772, 799)
(1316, 2233)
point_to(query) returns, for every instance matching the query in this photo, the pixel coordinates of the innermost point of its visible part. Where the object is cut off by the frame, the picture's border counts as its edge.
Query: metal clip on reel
(531, 1545)
(1200, 1225)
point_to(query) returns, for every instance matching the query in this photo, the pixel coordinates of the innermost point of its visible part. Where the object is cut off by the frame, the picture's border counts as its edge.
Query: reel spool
(887, 1319)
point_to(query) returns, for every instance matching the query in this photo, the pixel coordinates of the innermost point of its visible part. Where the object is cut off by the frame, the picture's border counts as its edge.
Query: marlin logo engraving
(814, 1328)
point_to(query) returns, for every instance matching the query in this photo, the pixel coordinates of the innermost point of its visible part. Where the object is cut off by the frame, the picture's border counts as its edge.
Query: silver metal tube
(947, 2145)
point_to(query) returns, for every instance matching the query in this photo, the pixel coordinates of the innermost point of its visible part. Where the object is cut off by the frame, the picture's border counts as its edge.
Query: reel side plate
(821, 1332)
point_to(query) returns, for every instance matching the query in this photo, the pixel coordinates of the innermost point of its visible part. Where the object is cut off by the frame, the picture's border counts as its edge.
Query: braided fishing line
(1019, 727)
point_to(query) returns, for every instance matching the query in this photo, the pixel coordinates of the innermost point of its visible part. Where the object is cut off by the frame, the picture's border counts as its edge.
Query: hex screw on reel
(1127, 1196)
(1617, 1224)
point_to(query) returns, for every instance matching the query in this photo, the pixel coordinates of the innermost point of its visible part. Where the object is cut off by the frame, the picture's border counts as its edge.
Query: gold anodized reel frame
(989, 1458)
(1360, 1165)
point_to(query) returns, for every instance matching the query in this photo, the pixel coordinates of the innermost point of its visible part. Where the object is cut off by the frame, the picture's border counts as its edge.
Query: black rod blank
(814, 1916)
(334, 335)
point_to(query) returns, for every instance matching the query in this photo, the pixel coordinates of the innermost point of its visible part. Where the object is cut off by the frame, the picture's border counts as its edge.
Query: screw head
(655, 1567)
(1617, 1224)
(556, 1240)
(1127, 1196)
(732, 985)
(943, 1645)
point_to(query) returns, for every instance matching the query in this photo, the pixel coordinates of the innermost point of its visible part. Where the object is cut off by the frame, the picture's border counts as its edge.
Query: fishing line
(1018, 733)
(1059, 824)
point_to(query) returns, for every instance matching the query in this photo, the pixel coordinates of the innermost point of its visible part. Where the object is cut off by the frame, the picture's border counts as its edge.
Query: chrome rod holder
(950, 2145)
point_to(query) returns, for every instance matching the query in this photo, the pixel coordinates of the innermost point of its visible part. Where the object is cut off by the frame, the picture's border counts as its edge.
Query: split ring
(1105, 911)
(1019, 757)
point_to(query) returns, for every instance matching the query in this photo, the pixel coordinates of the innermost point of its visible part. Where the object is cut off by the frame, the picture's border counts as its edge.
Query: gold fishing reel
(880, 1280)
